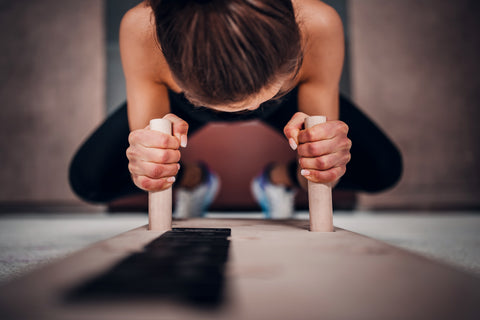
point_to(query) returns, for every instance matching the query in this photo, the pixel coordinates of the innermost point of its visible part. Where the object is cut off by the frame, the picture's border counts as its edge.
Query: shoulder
(138, 22)
(322, 32)
(316, 18)
(138, 43)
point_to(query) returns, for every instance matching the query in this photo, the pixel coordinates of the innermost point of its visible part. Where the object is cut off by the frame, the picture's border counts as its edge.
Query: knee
(83, 185)
(386, 173)
(91, 180)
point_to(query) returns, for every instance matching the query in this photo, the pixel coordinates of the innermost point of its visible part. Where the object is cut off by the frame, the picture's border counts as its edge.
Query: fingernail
(183, 141)
(292, 143)
(304, 172)
(171, 179)
(178, 166)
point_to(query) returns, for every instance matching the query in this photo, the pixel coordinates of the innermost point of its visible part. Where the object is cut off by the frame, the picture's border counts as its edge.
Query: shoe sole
(261, 198)
(211, 195)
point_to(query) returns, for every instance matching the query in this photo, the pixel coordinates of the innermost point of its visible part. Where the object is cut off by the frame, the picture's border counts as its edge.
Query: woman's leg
(376, 163)
(99, 170)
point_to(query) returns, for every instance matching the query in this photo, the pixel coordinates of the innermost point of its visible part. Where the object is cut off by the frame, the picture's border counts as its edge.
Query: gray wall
(415, 70)
(114, 11)
(52, 94)
(341, 6)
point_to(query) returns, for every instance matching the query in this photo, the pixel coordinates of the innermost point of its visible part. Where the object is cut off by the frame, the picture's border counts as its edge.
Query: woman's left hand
(323, 150)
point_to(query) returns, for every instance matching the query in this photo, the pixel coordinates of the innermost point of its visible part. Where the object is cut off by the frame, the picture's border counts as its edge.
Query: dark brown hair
(223, 51)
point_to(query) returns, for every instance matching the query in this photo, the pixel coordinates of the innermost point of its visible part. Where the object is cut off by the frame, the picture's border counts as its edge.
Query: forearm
(146, 103)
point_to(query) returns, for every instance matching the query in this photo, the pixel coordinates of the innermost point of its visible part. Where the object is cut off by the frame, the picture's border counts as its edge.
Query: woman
(195, 62)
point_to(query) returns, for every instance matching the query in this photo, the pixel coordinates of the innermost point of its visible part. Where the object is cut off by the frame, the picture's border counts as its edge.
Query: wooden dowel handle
(160, 202)
(319, 195)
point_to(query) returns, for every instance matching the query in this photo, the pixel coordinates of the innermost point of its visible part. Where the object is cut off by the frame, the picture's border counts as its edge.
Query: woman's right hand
(153, 156)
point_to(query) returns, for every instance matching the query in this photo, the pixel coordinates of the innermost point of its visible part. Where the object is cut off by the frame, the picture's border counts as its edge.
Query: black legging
(99, 170)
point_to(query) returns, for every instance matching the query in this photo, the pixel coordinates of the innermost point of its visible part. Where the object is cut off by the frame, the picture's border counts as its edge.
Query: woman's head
(223, 52)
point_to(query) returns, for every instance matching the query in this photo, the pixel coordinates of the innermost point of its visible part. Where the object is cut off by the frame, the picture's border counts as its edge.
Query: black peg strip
(185, 264)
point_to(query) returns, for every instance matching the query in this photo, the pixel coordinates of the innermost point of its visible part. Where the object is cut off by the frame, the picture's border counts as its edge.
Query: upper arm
(323, 62)
(143, 66)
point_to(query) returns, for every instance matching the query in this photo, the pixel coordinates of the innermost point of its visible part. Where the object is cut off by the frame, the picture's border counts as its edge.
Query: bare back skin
(148, 76)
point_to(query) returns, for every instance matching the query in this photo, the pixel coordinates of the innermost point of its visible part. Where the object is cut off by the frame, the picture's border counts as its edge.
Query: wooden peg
(319, 195)
(160, 202)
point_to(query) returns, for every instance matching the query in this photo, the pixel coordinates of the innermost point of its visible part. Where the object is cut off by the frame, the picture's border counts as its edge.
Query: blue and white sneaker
(276, 201)
(190, 203)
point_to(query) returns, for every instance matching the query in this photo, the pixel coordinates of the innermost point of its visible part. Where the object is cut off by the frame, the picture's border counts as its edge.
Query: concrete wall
(51, 93)
(115, 90)
(415, 70)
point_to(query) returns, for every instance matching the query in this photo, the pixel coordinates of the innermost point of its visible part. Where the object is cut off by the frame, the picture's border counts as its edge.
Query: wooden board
(275, 270)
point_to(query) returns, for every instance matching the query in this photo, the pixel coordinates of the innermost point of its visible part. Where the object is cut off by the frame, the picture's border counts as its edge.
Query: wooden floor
(275, 270)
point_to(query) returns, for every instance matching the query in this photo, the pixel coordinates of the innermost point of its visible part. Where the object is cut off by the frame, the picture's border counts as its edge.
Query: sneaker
(276, 201)
(190, 203)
